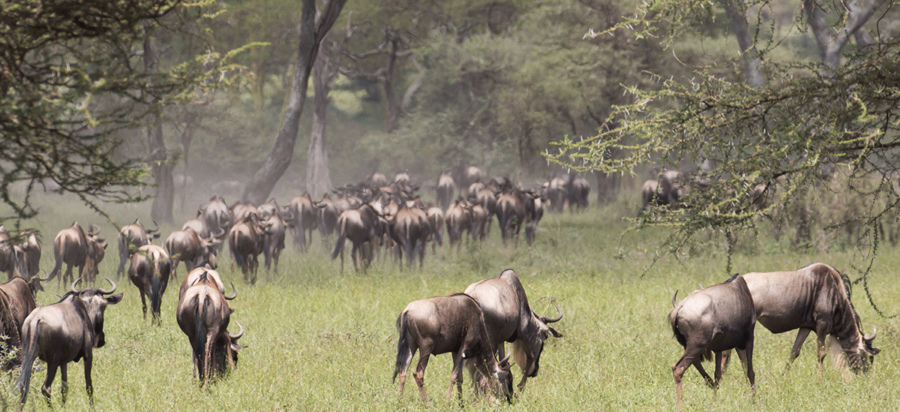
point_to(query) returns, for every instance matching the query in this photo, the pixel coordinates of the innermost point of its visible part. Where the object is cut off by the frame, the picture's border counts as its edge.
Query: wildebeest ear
(554, 332)
(113, 299)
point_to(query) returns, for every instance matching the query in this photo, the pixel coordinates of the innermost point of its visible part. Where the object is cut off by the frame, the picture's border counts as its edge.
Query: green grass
(321, 340)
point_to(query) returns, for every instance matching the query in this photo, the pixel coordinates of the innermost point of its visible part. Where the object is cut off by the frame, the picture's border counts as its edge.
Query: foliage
(788, 136)
(73, 83)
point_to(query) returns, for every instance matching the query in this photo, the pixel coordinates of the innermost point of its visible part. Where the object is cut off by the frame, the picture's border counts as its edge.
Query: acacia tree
(313, 28)
(783, 132)
(72, 84)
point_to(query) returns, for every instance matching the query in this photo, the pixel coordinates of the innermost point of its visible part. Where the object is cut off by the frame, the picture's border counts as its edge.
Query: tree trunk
(752, 63)
(161, 209)
(831, 44)
(318, 182)
(312, 31)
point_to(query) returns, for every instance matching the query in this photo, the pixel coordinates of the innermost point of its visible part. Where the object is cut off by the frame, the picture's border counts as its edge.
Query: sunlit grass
(321, 340)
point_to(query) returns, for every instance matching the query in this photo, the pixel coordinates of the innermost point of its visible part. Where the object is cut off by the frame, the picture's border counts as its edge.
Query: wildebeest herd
(380, 220)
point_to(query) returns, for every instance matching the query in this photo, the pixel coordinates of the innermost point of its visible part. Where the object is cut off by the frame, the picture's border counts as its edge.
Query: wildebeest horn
(506, 358)
(111, 290)
(673, 298)
(872, 336)
(238, 335)
(548, 320)
(44, 279)
(95, 232)
(155, 229)
(233, 293)
(74, 289)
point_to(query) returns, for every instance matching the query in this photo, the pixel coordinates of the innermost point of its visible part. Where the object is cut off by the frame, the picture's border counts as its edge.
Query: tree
(72, 87)
(313, 29)
(785, 133)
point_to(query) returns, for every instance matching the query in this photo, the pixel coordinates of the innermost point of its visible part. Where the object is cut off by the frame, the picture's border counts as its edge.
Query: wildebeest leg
(709, 381)
(424, 354)
(718, 373)
(48, 381)
(456, 376)
(143, 304)
(802, 334)
(821, 334)
(88, 383)
(746, 356)
(64, 389)
(353, 255)
(692, 351)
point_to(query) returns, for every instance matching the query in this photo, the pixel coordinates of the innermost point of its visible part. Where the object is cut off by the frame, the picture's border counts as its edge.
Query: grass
(321, 340)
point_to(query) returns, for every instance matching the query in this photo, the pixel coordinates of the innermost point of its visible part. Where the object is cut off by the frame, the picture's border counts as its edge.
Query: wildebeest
(665, 191)
(509, 318)
(443, 324)
(360, 227)
(188, 246)
(150, 271)
(444, 190)
(457, 220)
(198, 226)
(410, 228)
(21, 298)
(194, 276)
(555, 189)
(328, 216)
(64, 332)
(30, 250)
(304, 222)
(216, 216)
(402, 177)
(273, 228)
(465, 176)
(12, 259)
(203, 315)
(577, 191)
(131, 237)
(378, 179)
(713, 320)
(510, 214)
(245, 242)
(436, 222)
(811, 298)
(75, 248)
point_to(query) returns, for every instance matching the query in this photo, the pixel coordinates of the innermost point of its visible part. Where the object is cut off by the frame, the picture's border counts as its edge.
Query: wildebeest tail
(29, 347)
(155, 295)
(199, 342)
(339, 246)
(402, 346)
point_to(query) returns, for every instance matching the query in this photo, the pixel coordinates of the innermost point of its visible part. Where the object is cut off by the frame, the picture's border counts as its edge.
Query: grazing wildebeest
(713, 320)
(240, 211)
(812, 298)
(267, 209)
(479, 221)
(75, 248)
(64, 332)
(665, 191)
(443, 324)
(131, 237)
(203, 315)
(150, 271)
(534, 211)
(509, 318)
(465, 176)
(245, 242)
(474, 188)
(198, 226)
(444, 190)
(305, 221)
(187, 246)
(360, 227)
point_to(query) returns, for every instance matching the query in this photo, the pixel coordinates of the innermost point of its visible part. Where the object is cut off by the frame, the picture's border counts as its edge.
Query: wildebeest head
(528, 352)
(95, 300)
(867, 352)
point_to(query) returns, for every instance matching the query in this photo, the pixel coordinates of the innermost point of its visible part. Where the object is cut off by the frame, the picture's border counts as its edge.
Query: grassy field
(321, 340)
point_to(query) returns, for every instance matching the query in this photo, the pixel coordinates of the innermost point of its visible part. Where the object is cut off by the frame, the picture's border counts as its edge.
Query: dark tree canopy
(73, 85)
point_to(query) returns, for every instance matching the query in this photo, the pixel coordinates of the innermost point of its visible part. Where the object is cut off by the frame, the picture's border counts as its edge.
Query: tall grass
(321, 340)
